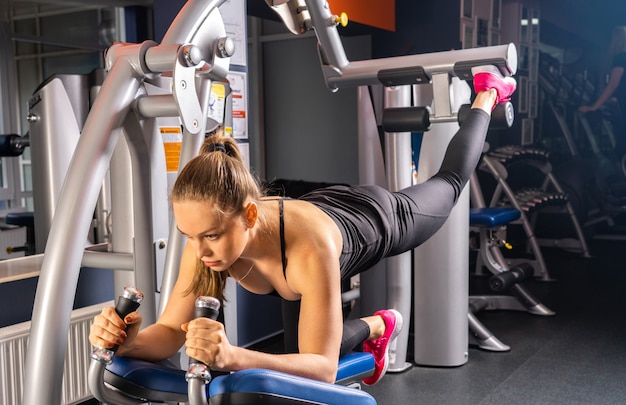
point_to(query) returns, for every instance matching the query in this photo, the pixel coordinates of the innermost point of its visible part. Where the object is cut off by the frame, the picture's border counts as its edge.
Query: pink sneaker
(380, 347)
(505, 86)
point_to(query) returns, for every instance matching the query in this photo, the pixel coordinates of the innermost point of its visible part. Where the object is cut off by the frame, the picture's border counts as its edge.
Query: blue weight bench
(27, 220)
(153, 382)
(493, 217)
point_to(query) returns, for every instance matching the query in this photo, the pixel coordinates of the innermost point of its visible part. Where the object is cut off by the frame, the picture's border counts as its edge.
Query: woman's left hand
(206, 341)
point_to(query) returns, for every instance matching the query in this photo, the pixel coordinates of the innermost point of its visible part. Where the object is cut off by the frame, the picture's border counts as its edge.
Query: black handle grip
(206, 307)
(128, 302)
(209, 310)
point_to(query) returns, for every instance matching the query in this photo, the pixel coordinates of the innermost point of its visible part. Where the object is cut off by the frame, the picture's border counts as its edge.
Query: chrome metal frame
(190, 50)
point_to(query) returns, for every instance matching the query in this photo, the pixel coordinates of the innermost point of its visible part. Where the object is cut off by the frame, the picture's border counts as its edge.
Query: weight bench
(548, 197)
(490, 221)
(27, 220)
(153, 382)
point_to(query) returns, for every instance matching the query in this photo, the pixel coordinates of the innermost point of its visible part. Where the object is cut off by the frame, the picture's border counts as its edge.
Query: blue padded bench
(21, 219)
(353, 367)
(162, 383)
(265, 387)
(27, 220)
(143, 379)
(493, 216)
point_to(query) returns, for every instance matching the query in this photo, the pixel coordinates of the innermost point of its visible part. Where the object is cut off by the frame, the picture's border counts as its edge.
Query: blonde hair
(219, 176)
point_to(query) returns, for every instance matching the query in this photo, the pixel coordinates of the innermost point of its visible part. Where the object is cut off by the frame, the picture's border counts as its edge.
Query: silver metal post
(326, 32)
(68, 233)
(399, 175)
(371, 171)
(199, 22)
(176, 242)
(441, 280)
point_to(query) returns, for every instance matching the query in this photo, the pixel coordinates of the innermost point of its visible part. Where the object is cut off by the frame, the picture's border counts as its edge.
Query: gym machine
(490, 223)
(196, 51)
(441, 287)
(13, 145)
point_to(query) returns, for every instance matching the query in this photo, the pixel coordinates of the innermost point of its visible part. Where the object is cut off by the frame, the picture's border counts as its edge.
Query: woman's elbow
(329, 374)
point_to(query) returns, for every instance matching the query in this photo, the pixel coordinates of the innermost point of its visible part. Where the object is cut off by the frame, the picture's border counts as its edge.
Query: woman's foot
(504, 86)
(380, 347)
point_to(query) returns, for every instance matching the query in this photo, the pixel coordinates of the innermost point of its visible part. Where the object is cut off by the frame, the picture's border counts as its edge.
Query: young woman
(615, 88)
(299, 249)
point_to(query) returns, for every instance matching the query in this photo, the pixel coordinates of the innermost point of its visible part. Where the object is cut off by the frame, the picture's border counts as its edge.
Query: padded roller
(12, 145)
(406, 119)
(506, 279)
(502, 116)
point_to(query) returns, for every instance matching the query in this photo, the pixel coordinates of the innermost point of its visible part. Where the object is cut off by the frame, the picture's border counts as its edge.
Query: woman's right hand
(108, 329)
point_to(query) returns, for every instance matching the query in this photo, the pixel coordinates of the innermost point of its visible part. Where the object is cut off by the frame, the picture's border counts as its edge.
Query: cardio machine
(196, 52)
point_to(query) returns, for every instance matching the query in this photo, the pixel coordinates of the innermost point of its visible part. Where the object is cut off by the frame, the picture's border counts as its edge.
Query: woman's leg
(356, 331)
(384, 327)
(291, 315)
(466, 147)
(422, 209)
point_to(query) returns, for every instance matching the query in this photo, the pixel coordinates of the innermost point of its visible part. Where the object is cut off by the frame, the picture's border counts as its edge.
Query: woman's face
(217, 239)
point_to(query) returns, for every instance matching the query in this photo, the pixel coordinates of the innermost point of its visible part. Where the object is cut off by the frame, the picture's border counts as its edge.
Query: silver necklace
(245, 275)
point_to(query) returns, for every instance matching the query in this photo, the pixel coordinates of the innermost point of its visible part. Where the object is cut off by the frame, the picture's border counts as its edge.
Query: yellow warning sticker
(172, 145)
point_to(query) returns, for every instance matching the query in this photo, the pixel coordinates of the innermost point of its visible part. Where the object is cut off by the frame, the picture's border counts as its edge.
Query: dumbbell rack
(547, 197)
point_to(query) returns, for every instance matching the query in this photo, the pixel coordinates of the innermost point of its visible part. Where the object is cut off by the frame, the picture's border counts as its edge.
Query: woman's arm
(163, 339)
(156, 342)
(614, 80)
(313, 274)
(320, 332)
(321, 319)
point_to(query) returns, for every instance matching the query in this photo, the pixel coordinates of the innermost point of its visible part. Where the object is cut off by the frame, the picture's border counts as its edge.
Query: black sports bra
(281, 216)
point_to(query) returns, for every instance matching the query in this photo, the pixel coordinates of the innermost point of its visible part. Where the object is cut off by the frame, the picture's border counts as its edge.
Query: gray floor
(576, 357)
